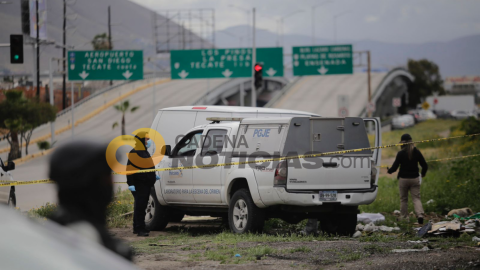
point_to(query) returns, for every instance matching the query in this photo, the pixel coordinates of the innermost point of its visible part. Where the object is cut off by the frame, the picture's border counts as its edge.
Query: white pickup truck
(329, 188)
(7, 193)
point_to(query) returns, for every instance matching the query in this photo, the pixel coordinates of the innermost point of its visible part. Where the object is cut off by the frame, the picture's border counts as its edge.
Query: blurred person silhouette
(409, 178)
(140, 184)
(85, 188)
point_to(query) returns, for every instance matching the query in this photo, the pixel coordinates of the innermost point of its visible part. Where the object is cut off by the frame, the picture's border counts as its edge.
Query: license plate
(328, 195)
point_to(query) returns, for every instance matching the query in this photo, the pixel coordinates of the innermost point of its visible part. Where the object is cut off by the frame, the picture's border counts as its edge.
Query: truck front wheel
(243, 215)
(156, 215)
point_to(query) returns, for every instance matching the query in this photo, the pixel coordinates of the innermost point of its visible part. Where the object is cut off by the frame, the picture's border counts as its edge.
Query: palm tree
(123, 108)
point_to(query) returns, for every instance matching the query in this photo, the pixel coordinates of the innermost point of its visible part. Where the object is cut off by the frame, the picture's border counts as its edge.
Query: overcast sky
(404, 21)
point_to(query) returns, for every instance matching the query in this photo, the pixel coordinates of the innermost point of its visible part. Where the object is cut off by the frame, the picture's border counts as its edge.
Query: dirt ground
(194, 250)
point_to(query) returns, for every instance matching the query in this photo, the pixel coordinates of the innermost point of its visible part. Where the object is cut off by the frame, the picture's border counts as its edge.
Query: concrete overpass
(318, 94)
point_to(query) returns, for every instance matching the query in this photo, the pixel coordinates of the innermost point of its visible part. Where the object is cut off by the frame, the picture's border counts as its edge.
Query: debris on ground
(430, 201)
(357, 234)
(476, 216)
(424, 230)
(360, 227)
(397, 212)
(449, 227)
(476, 239)
(418, 242)
(410, 250)
(463, 212)
(371, 227)
(370, 217)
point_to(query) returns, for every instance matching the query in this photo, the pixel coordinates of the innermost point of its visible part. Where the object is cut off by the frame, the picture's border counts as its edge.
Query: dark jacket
(409, 167)
(142, 179)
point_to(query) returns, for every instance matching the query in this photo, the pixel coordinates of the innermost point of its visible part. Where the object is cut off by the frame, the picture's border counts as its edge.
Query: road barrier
(17, 183)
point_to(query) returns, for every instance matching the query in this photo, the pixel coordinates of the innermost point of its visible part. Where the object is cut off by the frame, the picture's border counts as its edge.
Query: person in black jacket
(85, 188)
(408, 176)
(140, 184)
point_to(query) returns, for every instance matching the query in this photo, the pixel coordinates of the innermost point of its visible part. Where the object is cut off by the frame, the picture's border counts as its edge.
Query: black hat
(406, 137)
(78, 164)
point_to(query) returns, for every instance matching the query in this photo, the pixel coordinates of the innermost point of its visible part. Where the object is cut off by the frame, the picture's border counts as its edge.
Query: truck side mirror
(10, 166)
(167, 150)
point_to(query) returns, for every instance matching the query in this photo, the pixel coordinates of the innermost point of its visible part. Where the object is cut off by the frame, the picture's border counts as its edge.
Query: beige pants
(413, 184)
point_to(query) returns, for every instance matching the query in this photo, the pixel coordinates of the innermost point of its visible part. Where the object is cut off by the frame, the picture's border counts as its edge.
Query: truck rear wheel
(156, 215)
(339, 224)
(243, 215)
(12, 199)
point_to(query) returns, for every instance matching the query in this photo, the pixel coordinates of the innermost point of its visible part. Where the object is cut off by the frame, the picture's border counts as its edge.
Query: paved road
(318, 94)
(175, 93)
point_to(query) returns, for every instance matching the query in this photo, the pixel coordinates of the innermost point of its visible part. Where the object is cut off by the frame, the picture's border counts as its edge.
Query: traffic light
(25, 9)
(258, 69)
(16, 49)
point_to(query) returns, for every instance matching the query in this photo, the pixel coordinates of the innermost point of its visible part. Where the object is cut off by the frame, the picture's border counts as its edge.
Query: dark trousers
(141, 196)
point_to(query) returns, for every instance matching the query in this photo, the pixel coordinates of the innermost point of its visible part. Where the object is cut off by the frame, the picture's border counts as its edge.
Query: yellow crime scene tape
(267, 160)
(294, 157)
(437, 160)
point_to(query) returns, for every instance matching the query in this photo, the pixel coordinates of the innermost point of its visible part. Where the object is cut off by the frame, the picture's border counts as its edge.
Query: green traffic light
(16, 57)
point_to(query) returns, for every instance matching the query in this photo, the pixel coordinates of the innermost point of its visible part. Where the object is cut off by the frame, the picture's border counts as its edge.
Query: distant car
(460, 115)
(403, 121)
(415, 115)
(7, 193)
(426, 115)
(443, 114)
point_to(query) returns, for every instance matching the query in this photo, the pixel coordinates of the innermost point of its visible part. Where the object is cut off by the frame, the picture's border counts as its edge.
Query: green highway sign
(322, 60)
(224, 63)
(105, 65)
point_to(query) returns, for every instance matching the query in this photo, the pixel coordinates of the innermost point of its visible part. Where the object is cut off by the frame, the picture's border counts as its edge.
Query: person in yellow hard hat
(140, 184)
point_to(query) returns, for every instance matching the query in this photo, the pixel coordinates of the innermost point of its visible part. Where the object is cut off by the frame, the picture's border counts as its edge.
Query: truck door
(4, 178)
(338, 171)
(177, 184)
(207, 182)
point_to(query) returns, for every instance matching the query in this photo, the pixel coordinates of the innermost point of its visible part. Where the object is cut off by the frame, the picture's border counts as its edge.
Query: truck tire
(243, 215)
(12, 199)
(156, 215)
(339, 224)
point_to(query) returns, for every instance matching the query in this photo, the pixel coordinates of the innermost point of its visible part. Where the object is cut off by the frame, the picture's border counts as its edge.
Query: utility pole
(155, 41)
(52, 124)
(369, 81)
(254, 55)
(109, 34)
(72, 107)
(64, 57)
(38, 49)
(313, 26)
(313, 20)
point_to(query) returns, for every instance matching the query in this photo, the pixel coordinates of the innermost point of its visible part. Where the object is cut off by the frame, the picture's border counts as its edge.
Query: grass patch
(375, 249)
(121, 204)
(352, 256)
(422, 131)
(43, 212)
(300, 249)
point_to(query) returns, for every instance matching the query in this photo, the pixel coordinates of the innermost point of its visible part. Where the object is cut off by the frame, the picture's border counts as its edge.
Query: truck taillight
(281, 174)
(373, 174)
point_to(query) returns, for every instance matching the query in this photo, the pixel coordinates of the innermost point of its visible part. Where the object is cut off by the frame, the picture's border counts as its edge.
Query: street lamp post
(335, 24)
(247, 11)
(313, 20)
(282, 20)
